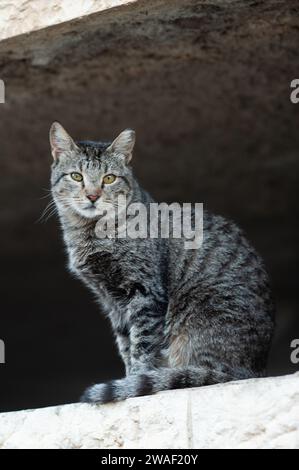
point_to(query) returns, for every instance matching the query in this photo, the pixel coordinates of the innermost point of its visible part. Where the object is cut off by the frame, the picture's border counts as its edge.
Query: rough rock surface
(258, 413)
(24, 16)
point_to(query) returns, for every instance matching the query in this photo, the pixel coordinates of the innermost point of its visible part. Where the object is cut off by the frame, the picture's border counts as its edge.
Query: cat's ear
(60, 140)
(124, 144)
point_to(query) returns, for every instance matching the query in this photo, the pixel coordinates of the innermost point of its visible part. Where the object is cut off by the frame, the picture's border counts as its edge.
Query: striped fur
(181, 318)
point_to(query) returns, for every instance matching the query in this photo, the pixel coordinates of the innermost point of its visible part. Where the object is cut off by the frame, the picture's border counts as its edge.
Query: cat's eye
(77, 176)
(108, 179)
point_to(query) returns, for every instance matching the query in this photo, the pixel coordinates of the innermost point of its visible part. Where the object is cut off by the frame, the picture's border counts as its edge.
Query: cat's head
(87, 174)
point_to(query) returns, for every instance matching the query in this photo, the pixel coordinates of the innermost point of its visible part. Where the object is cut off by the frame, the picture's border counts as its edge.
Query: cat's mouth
(92, 209)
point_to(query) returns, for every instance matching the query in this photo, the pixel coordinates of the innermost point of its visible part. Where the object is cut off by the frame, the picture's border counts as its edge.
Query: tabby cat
(181, 318)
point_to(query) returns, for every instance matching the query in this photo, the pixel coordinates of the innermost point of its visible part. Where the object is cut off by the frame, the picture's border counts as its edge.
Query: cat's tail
(162, 379)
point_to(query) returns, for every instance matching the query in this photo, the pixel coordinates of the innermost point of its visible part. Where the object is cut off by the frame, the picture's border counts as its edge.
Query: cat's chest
(84, 252)
(104, 268)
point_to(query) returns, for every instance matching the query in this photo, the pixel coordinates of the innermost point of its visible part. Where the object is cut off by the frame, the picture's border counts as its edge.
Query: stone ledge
(257, 413)
(24, 16)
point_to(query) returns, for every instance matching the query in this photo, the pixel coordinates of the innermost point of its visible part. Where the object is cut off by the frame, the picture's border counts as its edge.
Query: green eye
(77, 176)
(108, 179)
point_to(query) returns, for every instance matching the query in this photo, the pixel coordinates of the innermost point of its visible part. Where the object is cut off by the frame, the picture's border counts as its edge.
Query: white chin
(89, 213)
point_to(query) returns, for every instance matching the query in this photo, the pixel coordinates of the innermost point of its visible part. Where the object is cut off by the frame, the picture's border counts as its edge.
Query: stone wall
(25, 16)
(257, 413)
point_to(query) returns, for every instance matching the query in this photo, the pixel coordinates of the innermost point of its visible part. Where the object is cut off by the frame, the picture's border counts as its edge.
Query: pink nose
(93, 197)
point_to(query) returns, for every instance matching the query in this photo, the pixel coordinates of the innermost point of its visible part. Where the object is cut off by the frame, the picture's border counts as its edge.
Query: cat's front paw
(98, 394)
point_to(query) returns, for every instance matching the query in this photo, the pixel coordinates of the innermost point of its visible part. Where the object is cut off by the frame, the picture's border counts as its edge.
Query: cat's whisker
(45, 196)
(54, 211)
(48, 210)
(47, 190)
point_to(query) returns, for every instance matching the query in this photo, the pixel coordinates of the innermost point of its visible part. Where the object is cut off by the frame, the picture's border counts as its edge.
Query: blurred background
(206, 86)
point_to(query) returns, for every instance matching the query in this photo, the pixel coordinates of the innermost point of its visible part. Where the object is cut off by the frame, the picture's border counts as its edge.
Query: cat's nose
(93, 197)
